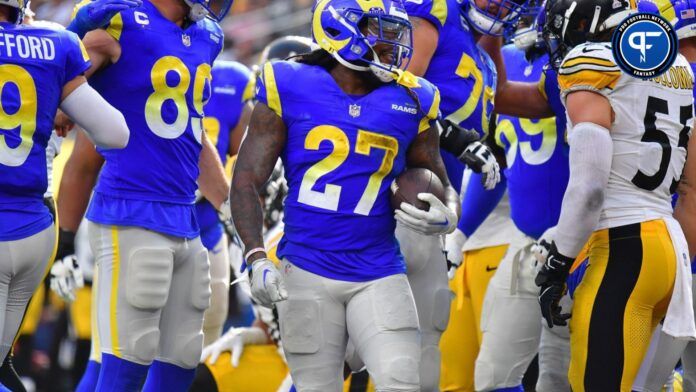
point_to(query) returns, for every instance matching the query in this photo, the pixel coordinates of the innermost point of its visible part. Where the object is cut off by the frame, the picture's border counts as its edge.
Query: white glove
(481, 160)
(542, 246)
(267, 285)
(66, 277)
(439, 219)
(454, 242)
(233, 341)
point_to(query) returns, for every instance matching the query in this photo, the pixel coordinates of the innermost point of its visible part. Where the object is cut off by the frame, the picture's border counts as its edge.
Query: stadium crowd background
(47, 357)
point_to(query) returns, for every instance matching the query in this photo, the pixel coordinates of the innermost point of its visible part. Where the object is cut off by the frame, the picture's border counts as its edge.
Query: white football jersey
(650, 132)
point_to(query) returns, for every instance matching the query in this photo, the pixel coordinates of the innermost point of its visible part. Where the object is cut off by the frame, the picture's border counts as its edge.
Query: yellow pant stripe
(114, 293)
(95, 352)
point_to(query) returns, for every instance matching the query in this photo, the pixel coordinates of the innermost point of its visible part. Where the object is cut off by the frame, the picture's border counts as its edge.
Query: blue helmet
(213, 9)
(526, 32)
(681, 13)
(495, 17)
(350, 30)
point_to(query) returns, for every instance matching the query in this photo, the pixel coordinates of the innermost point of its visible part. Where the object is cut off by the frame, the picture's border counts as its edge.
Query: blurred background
(53, 346)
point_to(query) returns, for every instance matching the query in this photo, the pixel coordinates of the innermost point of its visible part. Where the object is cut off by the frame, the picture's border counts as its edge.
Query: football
(407, 186)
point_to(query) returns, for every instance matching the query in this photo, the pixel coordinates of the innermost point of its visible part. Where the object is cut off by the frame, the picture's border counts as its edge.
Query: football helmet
(681, 13)
(572, 22)
(213, 9)
(495, 17)
(525, 33)
(284, 47)
(19, 6)
(352, 31)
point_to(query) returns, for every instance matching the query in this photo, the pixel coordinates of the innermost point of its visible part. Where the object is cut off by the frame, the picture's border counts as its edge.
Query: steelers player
(343, 138)
(154, 282)
(446, 53)
(620, 199)
(41, 70)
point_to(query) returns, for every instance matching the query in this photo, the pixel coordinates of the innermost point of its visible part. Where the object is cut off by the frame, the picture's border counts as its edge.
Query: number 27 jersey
(341, 154)
(650, 132)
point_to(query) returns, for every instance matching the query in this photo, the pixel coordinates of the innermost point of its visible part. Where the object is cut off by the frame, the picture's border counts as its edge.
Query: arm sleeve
(591, 150)
(76, 57)
(105, 126)
(478, 203)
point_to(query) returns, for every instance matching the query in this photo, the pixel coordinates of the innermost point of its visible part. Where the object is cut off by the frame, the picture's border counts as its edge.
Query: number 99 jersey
(35, 65)
(160, 83)
(341, 155)
(650, 132)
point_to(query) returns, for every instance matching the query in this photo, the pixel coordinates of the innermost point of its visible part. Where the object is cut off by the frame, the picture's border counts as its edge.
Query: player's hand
(454, 242)
(481, 160)
(552, 282)
(542, 246)
(62, 124)
(233, 341)
(66, 278)
(267, 284)
(439, 219)
(98, 13)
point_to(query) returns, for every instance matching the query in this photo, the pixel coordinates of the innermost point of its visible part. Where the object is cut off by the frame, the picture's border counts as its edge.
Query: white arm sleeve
(104, 125)
(591, 150)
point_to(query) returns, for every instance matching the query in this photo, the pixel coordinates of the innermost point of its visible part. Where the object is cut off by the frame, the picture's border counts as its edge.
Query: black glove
(66, 244)
(552, 280)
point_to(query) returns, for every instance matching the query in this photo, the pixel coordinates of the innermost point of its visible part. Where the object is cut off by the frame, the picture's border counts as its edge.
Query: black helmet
(572, 22)
(284, 47)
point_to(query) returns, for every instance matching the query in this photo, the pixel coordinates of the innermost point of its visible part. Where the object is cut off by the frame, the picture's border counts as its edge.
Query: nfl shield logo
(186, 39)
(354, 110)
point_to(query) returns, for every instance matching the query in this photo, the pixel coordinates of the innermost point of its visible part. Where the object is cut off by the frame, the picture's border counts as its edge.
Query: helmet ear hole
(332, 32)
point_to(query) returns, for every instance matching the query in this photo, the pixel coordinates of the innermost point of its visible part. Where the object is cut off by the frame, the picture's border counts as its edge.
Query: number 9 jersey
(35, 65)
(649, 146)
(160, 83)
(341, 154)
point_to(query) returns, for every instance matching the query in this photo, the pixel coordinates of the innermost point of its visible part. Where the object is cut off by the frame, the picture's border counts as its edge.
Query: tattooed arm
(257, 156)
(425, 152)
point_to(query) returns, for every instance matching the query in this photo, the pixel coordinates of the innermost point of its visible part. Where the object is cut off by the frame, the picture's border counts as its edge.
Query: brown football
(410, 183)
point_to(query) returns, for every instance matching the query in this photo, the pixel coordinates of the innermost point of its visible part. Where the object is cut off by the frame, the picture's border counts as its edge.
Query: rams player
(154, 282)
(41, 69)
(638, 259)
(446, 53)
(343, 140)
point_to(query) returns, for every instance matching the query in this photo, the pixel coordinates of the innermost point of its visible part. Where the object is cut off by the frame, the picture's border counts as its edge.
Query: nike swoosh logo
(445, 223)
(489, 268)
(265, 272)
(586, 50)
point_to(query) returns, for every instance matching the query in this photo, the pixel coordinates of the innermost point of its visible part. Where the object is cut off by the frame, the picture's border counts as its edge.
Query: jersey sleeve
(429, 100)
(588, 67)
(548, 87)
(434, 11)
(76, 57)
(267, 90)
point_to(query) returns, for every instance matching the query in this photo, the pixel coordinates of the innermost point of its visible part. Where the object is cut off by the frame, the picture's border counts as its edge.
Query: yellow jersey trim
(432, 113)
(439, 11)
(115, 27)
(248, 93)
(113, 301)
(272, 94)
(541, 86)
(77, 8)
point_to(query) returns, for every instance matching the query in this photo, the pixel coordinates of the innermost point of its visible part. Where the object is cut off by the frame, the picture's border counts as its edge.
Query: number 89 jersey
(160, 83)
(35, 65)
(341, 154)
(650, 132)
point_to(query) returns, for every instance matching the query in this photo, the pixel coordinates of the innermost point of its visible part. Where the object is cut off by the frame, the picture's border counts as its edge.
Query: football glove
(542, 246)
(267, 284)
(481, 160)
(552, 282)
(66, 278)
(233, 341)
(439, 219)
(454, 242)
(97, 14)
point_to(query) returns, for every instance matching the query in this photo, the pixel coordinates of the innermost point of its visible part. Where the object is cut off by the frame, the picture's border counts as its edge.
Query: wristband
(251, 252)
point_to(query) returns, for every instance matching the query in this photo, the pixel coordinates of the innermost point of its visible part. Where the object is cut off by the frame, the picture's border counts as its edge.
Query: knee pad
(143, 341)
(394, 306)
(187, 352)
(299, 330)
(402, 374)
(148, 278)
(441, 309)
(200, 284)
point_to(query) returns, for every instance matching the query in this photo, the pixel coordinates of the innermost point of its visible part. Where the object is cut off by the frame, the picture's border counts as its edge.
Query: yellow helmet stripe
(326, 43)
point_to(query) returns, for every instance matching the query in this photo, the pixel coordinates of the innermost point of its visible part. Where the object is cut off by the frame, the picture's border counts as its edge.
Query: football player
(637, 252)
(356, 121)
(154, 282)
(42, 69)
(446, 53)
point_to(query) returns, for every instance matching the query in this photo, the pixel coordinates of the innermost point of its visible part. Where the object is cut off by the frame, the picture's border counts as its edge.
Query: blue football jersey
(160, 83)
(231, 89)
(341, 155)
(693, 68)
(461, 70)
(35, 65)
(536, 153)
